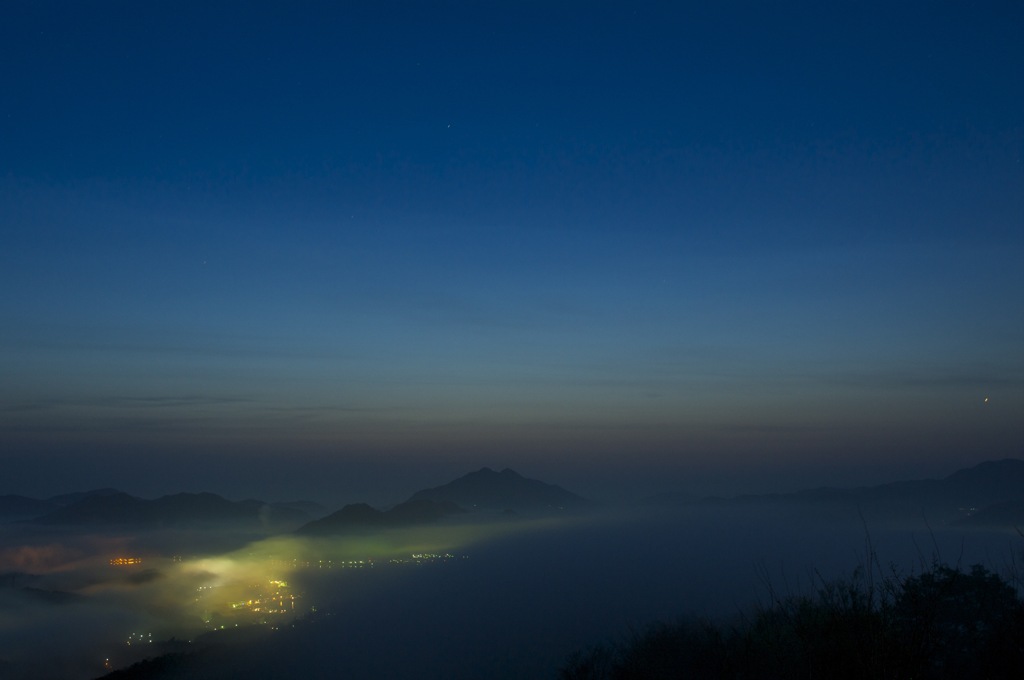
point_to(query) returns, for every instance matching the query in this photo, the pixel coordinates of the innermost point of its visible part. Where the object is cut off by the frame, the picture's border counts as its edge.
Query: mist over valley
(491, 574)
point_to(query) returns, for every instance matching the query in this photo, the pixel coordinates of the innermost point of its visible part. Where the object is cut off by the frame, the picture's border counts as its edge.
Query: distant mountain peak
(488, 472)
(362, 517)
(486, 489)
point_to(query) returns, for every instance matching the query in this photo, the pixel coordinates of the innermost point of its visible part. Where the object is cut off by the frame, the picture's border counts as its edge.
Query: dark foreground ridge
(944, 624)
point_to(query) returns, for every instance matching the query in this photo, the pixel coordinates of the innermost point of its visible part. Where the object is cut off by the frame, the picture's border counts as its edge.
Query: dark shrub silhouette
(944, 623)
(958, 625)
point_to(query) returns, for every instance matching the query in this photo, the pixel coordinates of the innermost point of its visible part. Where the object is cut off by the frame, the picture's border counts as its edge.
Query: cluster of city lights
(139, 638)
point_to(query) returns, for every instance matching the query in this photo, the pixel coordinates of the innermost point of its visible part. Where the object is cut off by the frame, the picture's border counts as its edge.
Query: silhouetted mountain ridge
(119, 508)
(68, 498)
(984, 484)
(962, 494)
(360, 517)
(486, 489)
(13, 506)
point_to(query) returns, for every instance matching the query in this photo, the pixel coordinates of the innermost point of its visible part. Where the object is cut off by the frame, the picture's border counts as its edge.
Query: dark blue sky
(652, 243)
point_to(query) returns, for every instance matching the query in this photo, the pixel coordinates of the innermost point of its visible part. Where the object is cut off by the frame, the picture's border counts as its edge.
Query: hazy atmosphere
(672, 241)
(649, 252)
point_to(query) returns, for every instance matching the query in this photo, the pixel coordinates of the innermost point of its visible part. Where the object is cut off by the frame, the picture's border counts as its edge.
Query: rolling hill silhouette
(993, 491)
(191, 509)
(13, 506)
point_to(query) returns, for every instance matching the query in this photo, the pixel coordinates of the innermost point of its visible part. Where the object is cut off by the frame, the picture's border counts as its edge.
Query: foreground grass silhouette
(943, 623)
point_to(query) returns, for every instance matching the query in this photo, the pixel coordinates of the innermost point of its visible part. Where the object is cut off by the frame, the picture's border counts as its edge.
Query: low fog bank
(515, 603)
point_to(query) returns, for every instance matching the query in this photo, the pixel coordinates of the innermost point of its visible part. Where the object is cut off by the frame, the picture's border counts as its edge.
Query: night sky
(319, 250)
